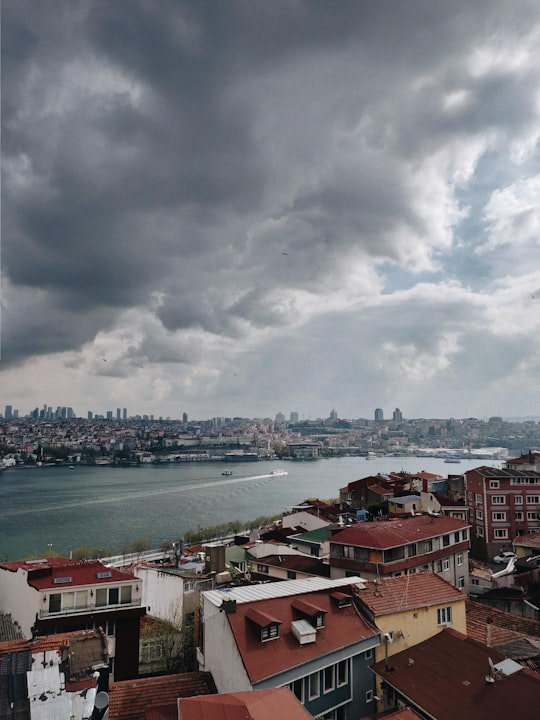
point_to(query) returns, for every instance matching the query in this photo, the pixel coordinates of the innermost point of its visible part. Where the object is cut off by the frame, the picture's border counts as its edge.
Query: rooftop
(385, 534)
(399, 594)
(253, 705)
(58, 572)
(286, 588)
(342, 628)
(130, 699)
(445, 677)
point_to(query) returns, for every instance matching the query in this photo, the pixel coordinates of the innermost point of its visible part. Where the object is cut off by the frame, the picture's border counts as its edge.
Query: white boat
(279, 471)
(227, 472)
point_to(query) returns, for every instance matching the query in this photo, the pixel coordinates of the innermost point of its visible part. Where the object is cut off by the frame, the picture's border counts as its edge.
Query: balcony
(88, 608)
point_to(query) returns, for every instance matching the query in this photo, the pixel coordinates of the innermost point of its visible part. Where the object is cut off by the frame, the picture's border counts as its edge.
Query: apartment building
(504, 504)
(396, 547)
(58, 595)
(305, 635)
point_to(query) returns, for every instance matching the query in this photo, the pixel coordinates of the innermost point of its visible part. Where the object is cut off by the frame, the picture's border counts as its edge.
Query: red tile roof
(253, 705)
(343, 627)
(128, 699)
(479, 614)
(444, 676)
(42, 573)
(394, 533)
(395, 594)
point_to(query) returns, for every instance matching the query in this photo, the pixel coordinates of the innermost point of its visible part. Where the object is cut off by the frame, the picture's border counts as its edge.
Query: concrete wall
(20, 599)
(162, 593)
(220, 655)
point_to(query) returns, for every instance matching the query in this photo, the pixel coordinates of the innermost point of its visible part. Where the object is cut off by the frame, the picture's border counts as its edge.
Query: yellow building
(410, 609)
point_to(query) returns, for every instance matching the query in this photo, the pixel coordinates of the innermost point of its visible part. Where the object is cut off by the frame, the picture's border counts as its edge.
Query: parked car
(504, 557)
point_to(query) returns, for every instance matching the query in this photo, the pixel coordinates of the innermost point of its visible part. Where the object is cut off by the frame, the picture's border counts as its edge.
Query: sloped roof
(9, 628)
(43, 573)
(299, 563)
(128, 699)
(385, 534)
(444, 676)
(479, 614)
(398, 594)
(343, 628)
(253, 705)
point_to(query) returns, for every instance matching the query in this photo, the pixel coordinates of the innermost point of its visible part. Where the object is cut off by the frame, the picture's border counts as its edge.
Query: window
(110, 596)
(518, 516)
(318, 620)
(475, 581)
(493, 484)
(479, 514)
(478, 499)
(459, 559)
(125, 594)
(110, 628)
(444, 616)
(461, 582)
(532, 516)
(189, 586)
(368, 654)
(291, 575)
(271, 632)
(518, 499)
(498, 516)
(446, 564)
(456, 537)
(465, 534)
(428, 546)
(500, 533)
(498, 500)
(297, 689)
(55, 602)
(413, 550)
(446, 540)
(439, 565)
(314, 687)
(328, 676)
(342, 672)
(151, 651)
(262, 568)
(533, 499)
(479, 531)
(369, 696)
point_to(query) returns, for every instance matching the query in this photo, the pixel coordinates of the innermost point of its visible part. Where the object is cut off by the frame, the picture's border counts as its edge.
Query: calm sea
(63, 509)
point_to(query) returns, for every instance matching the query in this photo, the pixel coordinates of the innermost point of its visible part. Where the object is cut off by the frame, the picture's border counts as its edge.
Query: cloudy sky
(241, 208)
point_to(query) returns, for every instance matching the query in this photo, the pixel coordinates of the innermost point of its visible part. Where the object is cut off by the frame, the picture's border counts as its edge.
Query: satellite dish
(102, 700)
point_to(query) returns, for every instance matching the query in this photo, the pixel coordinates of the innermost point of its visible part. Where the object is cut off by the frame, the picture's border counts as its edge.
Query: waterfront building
(56, 595)
(388, 548)
(306, 635)
(504, 504)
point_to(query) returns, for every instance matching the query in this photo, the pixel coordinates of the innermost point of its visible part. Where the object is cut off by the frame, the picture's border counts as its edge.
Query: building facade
(302, 634)
(56, 595)
(504, 503)
(399, 547)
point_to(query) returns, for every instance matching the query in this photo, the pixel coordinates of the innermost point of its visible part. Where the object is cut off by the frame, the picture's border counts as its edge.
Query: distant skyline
(239, 208)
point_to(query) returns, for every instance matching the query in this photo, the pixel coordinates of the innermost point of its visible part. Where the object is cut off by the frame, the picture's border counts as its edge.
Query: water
(59, 508)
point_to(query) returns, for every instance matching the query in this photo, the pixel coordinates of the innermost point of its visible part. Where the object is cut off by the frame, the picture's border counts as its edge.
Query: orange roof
(128, 699)
(343, 628)
(394, 594)
(253, 705)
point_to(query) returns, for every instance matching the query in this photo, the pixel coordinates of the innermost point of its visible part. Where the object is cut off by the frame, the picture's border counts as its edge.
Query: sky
(241, 208)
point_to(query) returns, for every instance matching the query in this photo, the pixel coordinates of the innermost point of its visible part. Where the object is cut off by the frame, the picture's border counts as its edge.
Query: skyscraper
(397, 415)
(379, 415)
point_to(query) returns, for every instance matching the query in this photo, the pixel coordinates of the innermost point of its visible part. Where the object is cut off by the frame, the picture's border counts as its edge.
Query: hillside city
(412, 596)
(55, 436)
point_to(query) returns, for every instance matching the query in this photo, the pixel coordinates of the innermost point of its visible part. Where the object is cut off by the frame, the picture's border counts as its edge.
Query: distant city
(47, 435)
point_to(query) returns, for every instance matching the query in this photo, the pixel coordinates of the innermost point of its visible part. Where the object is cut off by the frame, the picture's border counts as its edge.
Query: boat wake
(141, 495)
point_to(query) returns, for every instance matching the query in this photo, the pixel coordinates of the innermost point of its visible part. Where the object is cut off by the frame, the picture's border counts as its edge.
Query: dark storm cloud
(231, 167)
